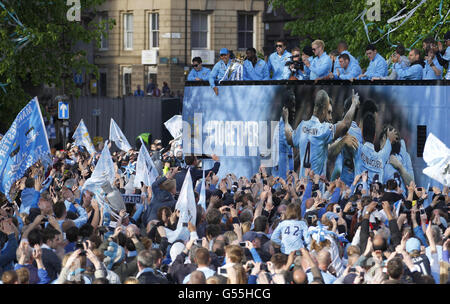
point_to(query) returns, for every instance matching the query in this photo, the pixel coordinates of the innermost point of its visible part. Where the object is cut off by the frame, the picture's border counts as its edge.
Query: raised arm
(343, 126)
(287, 127)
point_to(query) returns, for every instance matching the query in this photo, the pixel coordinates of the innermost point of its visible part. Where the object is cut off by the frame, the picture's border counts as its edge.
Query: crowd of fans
(262, 230)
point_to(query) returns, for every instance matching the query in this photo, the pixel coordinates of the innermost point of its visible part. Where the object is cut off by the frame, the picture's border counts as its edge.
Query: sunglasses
(195, 65)
(222, 55)
(279, 45)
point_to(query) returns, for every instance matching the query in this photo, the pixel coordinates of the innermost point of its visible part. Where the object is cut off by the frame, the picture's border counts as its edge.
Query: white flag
(104, 171)
(437, 156)
(116, 135)
(82, 138)
(202, 199)
(276, 145)
(186, 202)
(146, 171)
(175, 126)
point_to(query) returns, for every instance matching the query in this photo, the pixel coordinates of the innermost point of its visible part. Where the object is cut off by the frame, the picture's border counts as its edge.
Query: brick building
(153, 39)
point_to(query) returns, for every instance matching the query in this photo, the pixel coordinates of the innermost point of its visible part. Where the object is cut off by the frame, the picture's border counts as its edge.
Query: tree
(335, 20)
(39, 45)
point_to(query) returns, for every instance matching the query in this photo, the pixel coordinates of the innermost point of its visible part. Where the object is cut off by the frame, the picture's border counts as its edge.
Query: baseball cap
(412, 244)
(224, 51)
(250, 236)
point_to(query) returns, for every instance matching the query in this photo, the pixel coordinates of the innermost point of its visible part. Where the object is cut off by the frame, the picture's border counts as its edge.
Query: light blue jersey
(352, 71)
(317, 135)
(320, 66)
(353, 60)
(413, 72)
(258, 72)
(377, 68)
(203, 74)
(367, 159)
(217, 72)
(347, 169)
(405, 159)
(291, 235)
(428, 72)
(276, 64)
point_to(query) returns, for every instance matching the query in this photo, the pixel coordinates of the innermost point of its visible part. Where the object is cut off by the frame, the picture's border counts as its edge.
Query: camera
(298, 252)
(242, 244)
(264, 267)
(227, 209)
(298, 65)
(222, 271)
(199, 242)
(185, 224)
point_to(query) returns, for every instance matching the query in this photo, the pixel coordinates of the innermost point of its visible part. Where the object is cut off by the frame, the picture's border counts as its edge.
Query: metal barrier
(134, 115)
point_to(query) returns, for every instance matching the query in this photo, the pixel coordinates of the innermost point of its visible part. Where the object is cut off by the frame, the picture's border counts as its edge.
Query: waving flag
(186, 201)
(104, 171)
(175, 126)
(188, 211)
(437, 156)
(202, 199)
(82, 138)
(116, 135)
(23, 145)
(146, 171)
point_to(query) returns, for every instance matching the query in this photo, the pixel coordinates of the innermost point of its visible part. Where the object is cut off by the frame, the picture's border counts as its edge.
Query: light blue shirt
(258, 72)
(414, 72)
(377, 68)
(353, 60)
(346, 156)
(217, 72)
(405, 159)
(277, 63)
(320, 66)
(203, 74)
(367, 159)
(291, 235)
(428, 72)
(327, 277)
(319, 135)
(206, 270)
(352, 71)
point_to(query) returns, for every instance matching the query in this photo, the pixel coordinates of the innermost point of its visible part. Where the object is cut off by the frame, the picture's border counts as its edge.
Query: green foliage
(51, 57)
(334, 20)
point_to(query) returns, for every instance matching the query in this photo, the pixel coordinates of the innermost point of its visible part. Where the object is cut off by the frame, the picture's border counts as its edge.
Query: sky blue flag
(202, 199)
(82, 138)
(23, 145)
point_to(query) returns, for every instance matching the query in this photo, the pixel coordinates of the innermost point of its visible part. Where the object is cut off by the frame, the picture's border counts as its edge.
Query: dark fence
(134, 115)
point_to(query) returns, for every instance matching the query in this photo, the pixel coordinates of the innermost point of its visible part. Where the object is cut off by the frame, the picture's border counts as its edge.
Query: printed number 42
(288, 230)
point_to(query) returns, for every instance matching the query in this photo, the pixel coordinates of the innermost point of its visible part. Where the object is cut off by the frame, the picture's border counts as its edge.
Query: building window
(128, 31)
(127, 81)
(199, 30)
(154, 30)
(245, 31)
(104, 42)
